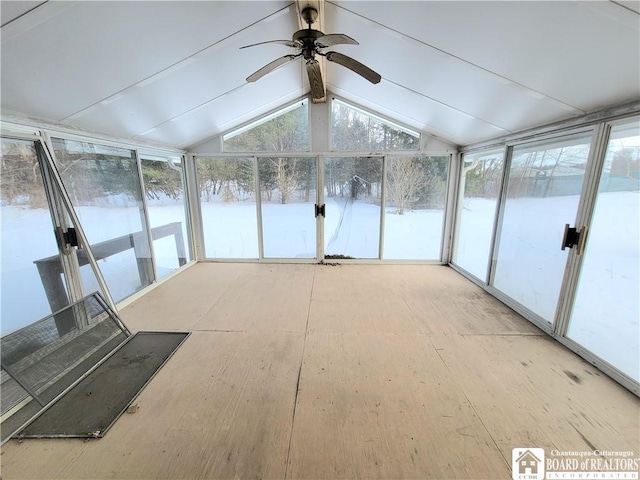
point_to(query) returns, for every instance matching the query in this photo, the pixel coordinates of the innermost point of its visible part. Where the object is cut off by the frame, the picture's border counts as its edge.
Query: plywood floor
(314, 372)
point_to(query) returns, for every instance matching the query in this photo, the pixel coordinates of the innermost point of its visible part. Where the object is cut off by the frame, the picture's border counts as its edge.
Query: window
(104, 186)
(353, 129)
(228, 205)
(163, 187)
(27, 236)
(284, 131)
(480, 180)
(414, 211)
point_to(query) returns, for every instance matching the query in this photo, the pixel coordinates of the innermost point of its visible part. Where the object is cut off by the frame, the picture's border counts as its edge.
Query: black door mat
(90, 408)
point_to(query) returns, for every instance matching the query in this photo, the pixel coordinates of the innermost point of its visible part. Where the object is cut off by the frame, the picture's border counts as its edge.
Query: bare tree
(287, 177)
(20, 178)
(405, 179)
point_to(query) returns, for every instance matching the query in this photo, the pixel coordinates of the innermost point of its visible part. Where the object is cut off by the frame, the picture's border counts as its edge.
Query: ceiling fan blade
(288, 43)
(270, 67)
(315, 79)
(354, 65)
(334, 39)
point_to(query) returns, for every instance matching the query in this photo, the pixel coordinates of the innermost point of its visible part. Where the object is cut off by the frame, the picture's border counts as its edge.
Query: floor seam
(295, 401)
(473, 407)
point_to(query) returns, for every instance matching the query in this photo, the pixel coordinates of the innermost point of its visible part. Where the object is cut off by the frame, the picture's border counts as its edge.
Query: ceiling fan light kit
(309, 43)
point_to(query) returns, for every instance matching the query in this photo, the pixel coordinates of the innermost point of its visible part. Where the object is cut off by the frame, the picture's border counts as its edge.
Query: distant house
(528, 463)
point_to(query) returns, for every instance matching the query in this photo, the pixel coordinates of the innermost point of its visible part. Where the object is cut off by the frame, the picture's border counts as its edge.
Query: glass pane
(167, 212)
(27, 239)
(414, 210)
(355, 129)
(283, 131)
(607, 304)
(479, 190)
(543, 192)
(352, 188)
(288, 197)
(228, 204)
(104, 187)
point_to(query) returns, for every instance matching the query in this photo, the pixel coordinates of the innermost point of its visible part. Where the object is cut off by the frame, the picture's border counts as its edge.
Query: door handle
(573, 238)
(67, 239)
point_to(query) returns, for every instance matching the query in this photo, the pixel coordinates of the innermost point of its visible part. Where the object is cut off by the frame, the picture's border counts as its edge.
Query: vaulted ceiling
(172, 72)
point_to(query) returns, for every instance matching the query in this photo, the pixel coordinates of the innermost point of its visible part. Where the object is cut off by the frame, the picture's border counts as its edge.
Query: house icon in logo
(528, 463)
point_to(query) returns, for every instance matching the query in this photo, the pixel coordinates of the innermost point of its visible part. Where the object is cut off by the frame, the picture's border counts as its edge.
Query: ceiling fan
(310, 43)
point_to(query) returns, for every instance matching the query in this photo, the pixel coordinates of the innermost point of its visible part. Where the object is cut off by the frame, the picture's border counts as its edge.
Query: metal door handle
(573, 238)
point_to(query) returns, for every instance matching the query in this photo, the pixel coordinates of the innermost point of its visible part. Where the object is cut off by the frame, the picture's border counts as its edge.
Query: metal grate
(48, 356)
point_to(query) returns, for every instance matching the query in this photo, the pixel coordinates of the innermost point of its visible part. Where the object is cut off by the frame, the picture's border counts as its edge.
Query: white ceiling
(171, 72)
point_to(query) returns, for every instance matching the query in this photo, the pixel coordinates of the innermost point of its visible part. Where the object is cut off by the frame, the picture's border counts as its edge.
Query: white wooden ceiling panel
(456, 83)
(418, 111)
(94, 50)
(209, 75)
(566, 50)
(633, 5)
(237, 107)
(10, 10)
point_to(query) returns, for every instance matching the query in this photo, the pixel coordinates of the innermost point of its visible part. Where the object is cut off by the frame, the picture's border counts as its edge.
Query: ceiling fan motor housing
(307, 38)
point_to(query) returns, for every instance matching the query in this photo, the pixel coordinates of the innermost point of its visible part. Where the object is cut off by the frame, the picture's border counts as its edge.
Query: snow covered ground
(607, 306)
(530, 262)
(289, 231)
(473, 241)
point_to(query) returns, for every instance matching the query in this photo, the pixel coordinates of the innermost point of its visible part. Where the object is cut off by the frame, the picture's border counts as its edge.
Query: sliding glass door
(288, 190)
(540, 251)
(607, 303)
(352, 195)
(544, 183)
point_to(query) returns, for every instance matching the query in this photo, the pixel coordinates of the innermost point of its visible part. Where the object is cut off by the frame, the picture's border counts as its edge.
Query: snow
(473, 240)
(162, 212)
(351, 228)
(530, 262)
(289, 230)
(607, 306)
(231, 230)
(27, 235)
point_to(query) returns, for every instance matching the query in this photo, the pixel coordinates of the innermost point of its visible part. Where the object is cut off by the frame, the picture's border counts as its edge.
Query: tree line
(412, 181)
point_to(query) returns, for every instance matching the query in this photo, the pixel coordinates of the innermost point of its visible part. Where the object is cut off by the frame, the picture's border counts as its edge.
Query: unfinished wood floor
(314, 372)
